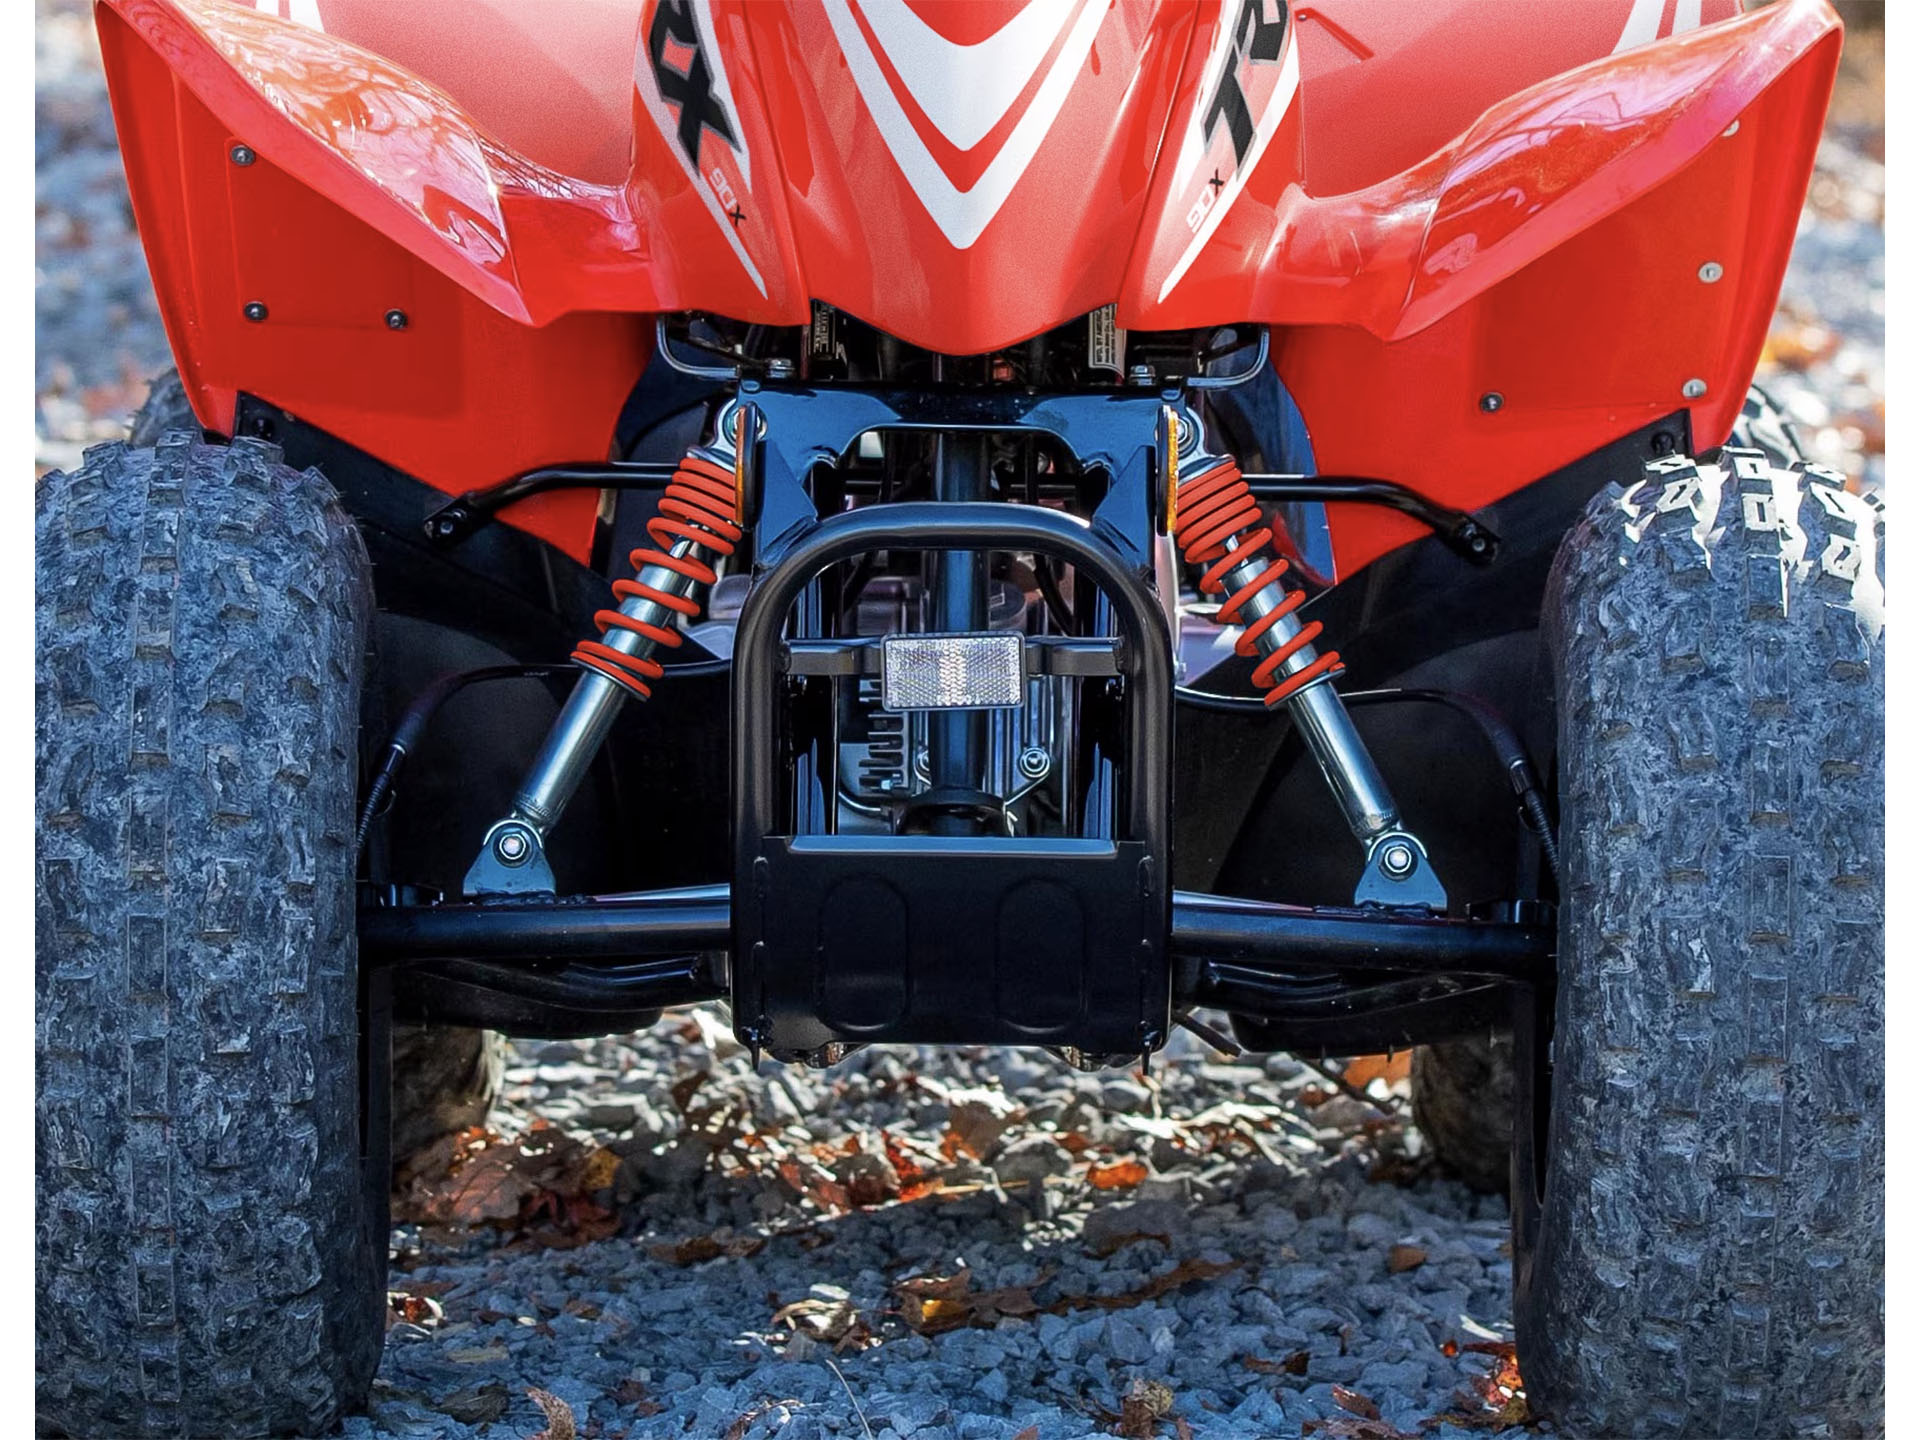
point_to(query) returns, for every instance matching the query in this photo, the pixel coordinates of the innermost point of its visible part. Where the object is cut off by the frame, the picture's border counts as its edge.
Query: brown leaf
(632, 1395)
(1182, 1430)
(685, 1088)
(1355, 1402)
(934, 1304)
(421, 1310)
(976, 1119)
(1184, 1273)
(698, 1248)
(833, 1321)
(476, 1404)
(1313, 1096)
(1294, 1364)
(1114, 1243)
(1363, 1070)
(559, 1415)
(1405, 1257)
(1142, 1408)
(1032, 1432)
(1120, 1175)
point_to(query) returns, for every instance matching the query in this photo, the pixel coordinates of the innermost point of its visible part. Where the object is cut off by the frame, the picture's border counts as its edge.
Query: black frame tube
(1222, 939)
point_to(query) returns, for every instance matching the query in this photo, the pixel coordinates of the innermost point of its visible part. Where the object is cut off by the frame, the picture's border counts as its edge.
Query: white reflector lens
(951, 672)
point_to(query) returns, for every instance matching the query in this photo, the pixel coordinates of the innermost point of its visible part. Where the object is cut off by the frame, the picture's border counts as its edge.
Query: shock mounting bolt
(1397, 860)
(255, 310)
(1035, 762)
(1711, 271)
(241, 155)
(511, 846)
(1492, 401)
(1694, 389)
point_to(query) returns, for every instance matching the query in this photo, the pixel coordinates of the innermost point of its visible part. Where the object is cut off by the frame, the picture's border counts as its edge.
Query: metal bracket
(512, 861)
(1399, 874)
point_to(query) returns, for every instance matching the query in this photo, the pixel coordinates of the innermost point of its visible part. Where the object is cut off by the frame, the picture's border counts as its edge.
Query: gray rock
(1112, 1224)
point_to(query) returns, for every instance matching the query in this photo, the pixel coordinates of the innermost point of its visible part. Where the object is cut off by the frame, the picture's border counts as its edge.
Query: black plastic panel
(953, 940)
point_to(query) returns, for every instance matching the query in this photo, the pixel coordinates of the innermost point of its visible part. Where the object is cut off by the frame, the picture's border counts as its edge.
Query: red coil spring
(698, 506)
(1211, 509)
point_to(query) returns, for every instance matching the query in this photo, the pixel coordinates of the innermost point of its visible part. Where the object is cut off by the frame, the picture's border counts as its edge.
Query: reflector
(952, 672)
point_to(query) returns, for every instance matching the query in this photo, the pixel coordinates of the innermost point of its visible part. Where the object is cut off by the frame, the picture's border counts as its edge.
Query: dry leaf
(934, 1304)
(1356, 1403)
(475, 1405)
(1184, 1273)
(1405, 1257)
(559, 1415)
(630, 1394)
(420, 1310)
(976, 1119)
(1032, 1432)
(698, 1248)
(1496, 1399)
(1363, 1070)
(1145, 1404)
(1120, 1175)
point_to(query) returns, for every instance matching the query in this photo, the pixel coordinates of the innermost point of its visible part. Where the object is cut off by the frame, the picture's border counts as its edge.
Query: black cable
(1050, 591)
(1500, 736)
(413, 725)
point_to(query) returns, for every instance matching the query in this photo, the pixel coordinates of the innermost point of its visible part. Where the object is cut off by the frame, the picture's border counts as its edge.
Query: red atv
(988, 417)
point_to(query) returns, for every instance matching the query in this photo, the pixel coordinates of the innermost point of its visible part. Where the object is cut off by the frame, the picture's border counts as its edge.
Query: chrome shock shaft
(512, 858)
(1397, 871)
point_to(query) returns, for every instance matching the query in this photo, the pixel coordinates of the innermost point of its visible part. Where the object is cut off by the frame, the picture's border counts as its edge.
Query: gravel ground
(917, 1243)
(941, 1244)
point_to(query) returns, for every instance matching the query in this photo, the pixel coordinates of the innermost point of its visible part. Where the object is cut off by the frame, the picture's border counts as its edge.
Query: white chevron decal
(965, 91)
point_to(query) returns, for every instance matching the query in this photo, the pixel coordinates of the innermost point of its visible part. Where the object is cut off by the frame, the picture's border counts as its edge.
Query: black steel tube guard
(1145, 657)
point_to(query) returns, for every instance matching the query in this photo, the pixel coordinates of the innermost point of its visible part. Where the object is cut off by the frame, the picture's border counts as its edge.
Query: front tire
(209, 1259)
(1706, 1254)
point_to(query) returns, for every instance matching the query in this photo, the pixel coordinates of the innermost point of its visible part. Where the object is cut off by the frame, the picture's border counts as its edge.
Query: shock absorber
(1218, 524)
(697, 523)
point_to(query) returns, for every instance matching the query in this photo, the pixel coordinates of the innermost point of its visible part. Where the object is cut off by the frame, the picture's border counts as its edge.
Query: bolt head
(1035, 762)
(396, 319)
(511, 846)
(255, 310)
(1711, 271)
(1140, 375)
(242, 155)
(1694, 389)
(1397, 860)
(1492, 401)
